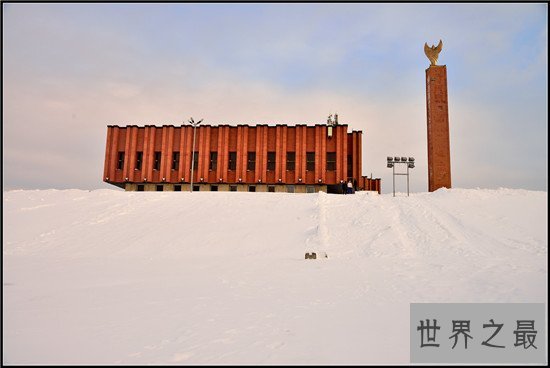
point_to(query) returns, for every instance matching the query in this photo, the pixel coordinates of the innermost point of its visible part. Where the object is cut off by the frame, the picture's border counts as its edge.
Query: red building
(264, 158)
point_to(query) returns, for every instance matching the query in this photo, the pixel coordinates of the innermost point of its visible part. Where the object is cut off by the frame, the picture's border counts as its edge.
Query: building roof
(223, 125)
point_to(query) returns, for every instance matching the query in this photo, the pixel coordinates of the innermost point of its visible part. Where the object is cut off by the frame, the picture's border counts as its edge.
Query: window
(310, 189)
(213, 161)
(213, 188)
(270, 161)
(139, 160)
(350, 166)
(251, 188)
(195, 161)
(177, 188)
(232, 161)
(156, 165)
(160, 188)
(196, 188)
(290, 160)
(271, 188)
(232, 188)
(175, 160)
(251, 165)
(310, 161)
(290, 189)
(331, 161)
(141, 188)
(120, 164)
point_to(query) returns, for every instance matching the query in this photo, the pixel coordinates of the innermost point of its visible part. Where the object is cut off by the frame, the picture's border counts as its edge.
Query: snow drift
(111, 277)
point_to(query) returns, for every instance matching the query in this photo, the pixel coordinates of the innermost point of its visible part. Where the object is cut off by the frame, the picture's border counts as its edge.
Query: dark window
(177, 188)
(213, 188)
(196, 188)
(213, 161)
(232, 188)
(350, 166)
(310, 161)
(232, 161)
(195, 161)
(120, 164)
(271, 188)
(290, 189)
(156, 165)
(160, 188)
(175, 160)
(139, 160)
(331, 161)
(310, 189)
(290, 160)
(141, 188)
(271, 161)
(251, 188)
(251, 161)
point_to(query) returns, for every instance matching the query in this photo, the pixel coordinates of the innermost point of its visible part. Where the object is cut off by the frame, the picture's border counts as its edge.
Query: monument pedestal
(439, 156)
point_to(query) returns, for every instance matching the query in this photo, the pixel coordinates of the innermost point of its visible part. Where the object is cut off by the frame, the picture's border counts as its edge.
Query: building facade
(263, 158)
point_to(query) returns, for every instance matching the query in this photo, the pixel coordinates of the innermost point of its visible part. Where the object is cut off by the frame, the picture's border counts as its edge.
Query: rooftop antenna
(330, 124)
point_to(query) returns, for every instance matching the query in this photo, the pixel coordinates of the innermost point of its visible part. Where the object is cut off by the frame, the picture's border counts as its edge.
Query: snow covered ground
(107, 277)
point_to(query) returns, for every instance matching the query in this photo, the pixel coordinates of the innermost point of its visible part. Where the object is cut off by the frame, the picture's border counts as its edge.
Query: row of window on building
(232, 161)
(232, 188)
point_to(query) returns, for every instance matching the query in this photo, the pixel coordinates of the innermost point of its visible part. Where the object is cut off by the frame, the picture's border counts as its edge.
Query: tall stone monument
(439, 155)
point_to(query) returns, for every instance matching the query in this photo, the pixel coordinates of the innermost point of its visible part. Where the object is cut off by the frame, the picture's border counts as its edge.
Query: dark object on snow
(313, 255)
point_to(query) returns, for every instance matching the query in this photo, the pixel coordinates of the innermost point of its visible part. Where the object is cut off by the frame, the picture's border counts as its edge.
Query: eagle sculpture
(433, 52)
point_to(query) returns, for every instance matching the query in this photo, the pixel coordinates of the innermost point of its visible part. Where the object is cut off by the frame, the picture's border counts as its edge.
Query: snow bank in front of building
(111, 277)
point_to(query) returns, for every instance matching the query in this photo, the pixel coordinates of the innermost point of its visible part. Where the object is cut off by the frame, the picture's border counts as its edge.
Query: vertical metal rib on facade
(242, 139)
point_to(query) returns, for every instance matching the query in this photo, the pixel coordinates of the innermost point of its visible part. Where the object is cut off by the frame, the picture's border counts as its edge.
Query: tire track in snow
(319, 236)
(324, 235)
(471, 238)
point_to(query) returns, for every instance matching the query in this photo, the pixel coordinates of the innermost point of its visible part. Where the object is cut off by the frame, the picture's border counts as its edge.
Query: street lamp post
(194, 124)
(400, 160)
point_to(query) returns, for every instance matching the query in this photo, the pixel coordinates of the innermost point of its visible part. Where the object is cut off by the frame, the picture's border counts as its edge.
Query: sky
(69, 70)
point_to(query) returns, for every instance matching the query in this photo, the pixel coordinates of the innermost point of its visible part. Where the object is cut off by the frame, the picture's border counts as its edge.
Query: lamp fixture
(392, 161)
